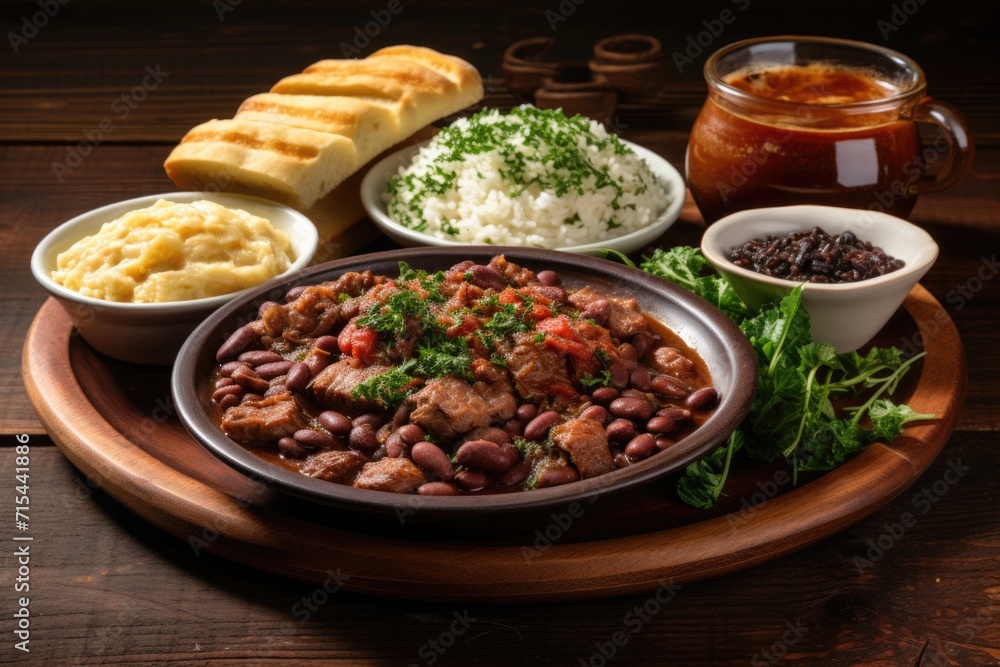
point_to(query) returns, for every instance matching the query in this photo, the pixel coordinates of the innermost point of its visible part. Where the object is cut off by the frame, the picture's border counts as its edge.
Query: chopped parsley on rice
(531, 177)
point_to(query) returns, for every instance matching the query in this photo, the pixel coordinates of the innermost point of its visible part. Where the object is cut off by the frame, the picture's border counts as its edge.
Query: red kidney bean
(660, 425)
(363, 437)
(290, 448)
(227, 368)
(264, 307)
(471, 480)
(226, 391)
(350, 308)
(516, 475)
(604, 395)
(462, 266)
(326, 343)
(228, 401)
(556, 476)
(549, 278)
(538, 427)
(334, 422)
(640, 378)
(620, 431)
(627, 352)
(598, 310)
(640, 447)
(619, 374)
(483, 455)
(259, 357)
(702, 399)
(368, 419)
(249, 380)
(311, 438)
(298, 377)
(631, 408)
(294, 293)
(433, 461)
(663, 442)
(597, 413)
(527, 412)
(677, 414)
(394, 447)
(486, 277)
(274, 369)
(236, 343)
(669, 386)
(401, 416)
(634, 393)
(411, 433)
(316, 361)
(437, 489)
(491, 433)
(514, 428)
(223, 382)
(511, 452)
(642, 342)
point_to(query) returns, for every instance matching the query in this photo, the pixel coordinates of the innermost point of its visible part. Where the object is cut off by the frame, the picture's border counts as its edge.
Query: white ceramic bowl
(846, 315)
(374, 184)
(151, 333)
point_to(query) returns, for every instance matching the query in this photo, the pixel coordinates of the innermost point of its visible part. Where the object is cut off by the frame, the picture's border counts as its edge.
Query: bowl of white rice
(529, 177)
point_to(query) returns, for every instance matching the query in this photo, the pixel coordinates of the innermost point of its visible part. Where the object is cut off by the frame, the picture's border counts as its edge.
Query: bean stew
(483, 378)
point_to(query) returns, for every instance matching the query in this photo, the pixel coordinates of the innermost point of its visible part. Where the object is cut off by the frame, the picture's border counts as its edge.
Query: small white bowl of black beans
(857, 265)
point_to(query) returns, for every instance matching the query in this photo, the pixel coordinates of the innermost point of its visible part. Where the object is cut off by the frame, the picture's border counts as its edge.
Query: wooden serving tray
(115, 422)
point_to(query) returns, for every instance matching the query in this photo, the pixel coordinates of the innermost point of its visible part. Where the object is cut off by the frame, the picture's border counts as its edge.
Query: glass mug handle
(956, 136)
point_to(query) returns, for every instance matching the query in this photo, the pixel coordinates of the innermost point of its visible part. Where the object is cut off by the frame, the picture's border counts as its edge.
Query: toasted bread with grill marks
(314, 129)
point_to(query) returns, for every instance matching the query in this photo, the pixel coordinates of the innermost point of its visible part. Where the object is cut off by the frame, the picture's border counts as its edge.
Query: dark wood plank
(64, 81)
(136, 595)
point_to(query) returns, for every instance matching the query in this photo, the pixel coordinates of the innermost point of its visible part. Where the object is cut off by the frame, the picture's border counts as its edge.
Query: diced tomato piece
(559, 326)
(509, 296)
(562, 389)
(358, 342)
(539, 312)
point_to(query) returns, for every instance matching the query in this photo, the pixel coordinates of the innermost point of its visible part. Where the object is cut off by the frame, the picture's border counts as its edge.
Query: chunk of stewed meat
(538, 370)
(395, 475)
(334, 386)
(586, 442)
(626, 318)
(494, 386)
(670, 361)
(334, 465)
(512, 273)
(448, 407)
(270, 418)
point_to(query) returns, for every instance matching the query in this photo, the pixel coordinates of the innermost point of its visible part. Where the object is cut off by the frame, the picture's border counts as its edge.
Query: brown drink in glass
(799, 120)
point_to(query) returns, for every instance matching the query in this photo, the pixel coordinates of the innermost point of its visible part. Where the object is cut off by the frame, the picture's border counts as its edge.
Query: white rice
(494, 179)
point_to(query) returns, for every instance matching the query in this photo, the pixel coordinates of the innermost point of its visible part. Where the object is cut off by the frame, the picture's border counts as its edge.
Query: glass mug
(812, 120)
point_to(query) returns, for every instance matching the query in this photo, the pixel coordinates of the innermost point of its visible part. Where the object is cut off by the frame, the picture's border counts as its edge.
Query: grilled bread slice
(287, 164)
(314, 129)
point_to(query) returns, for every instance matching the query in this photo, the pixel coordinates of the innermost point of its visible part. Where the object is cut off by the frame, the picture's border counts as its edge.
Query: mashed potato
(174, 252)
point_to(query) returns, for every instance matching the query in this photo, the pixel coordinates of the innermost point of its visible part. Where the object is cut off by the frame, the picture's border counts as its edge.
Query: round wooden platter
(115, 422)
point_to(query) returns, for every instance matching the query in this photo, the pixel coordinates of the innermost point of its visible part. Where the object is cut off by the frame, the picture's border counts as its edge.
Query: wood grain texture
(145, 460)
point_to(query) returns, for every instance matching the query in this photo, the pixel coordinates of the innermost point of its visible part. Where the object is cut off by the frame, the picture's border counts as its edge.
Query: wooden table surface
(108, 588)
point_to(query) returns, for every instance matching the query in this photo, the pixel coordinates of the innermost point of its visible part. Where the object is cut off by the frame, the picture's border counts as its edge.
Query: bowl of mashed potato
(137, 276)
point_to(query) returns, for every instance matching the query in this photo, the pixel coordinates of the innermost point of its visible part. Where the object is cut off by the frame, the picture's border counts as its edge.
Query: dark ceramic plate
(722, 346)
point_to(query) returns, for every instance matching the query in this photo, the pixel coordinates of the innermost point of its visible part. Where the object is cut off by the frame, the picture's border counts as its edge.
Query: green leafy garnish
(793, 415)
